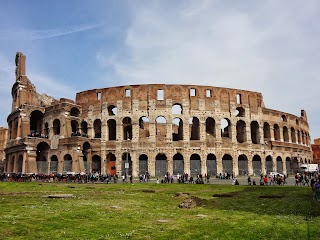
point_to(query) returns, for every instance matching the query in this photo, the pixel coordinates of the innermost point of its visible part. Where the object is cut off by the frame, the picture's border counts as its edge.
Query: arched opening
(126, 165)
(255, 132)
(96, 164)
(111, 164)
(75, 128)
(84, 128)
(195, 164)
(241, 131)
(225, 128)
(11, 165)
(127, 128)
(243, 165)
(269, 164)
(283, 118)
(276, 132)
(112, 129)
(56, 127)
(266, 131)
(240, 112)
(299, 137)
(178, 164)
(227, 164)
(86, 151)
(177, 129)
(210, 127)
(256, 165)
(143, 164)
(279, 165)
(67, 163)
(161, 165)
(41, 158)
(161, 129)
(53, 164)
(285, 134)
(288, 166)
(112, 110)
(194, 128)
(144, 127)
(177, 109)
(20, 163)
(303, 137)
(74, 112)
(211, 164)
(97, 128)
(46, 130)
(36, 118)
(293, 135)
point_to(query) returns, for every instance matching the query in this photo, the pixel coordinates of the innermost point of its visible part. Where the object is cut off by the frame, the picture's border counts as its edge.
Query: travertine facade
(156, 128)
(3, 142)
(316, 151)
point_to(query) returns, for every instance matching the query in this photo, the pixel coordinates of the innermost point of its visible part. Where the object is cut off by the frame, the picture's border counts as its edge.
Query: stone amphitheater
(154, 128)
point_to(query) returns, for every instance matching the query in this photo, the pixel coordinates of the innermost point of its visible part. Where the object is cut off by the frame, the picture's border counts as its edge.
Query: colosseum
(154, 128)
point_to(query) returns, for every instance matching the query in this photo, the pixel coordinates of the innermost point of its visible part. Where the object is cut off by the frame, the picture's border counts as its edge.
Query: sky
(270, 46)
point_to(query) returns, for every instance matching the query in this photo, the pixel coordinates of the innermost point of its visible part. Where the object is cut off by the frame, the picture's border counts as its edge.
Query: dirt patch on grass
(182, 194)
(223, 195)
(270, 196)
(191, 202)
(148, 191)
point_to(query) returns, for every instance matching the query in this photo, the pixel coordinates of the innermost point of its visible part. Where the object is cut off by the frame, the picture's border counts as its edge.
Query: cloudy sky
(267, 46)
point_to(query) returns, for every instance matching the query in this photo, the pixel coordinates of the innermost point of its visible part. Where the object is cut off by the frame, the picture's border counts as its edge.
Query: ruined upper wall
(176, 93)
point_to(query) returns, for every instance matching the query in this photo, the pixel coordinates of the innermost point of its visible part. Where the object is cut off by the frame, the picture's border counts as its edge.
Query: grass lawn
(151, 211)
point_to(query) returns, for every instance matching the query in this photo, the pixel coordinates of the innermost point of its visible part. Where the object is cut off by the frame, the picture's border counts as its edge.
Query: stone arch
(210, 127)
(11, 165)
(240, 112)
(84, 127)
(112, 110)
(161, 166)
(74, 126)
(194, 124)
(285, 134)
(283, 118)
(143, 164)
(243, 165)
(177, 109)
(226, 128)
(41, 157)
(144, 127)
(75, 112)
(269, 164)
(46, 130)
(256, 165)
(177, 129)
(276, 130)
(20, 163)
(266, 131)
(112, 129)
(279, 165)
(53, 164)
(293, 135)
(36, 118)
(56, 127)
(111, 164)
(211, 164)
(96, 164)
(97, 128)
(161, 127)
(288, 166)
(255, 132)
(178, 164)
(126, 165)
(67, 163)
(195, 164)
(227, 163)
(299, 137)
(241, 131)
(127, 128)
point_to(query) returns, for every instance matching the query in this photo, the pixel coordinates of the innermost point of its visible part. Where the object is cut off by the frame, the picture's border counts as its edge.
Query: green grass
(124, 211)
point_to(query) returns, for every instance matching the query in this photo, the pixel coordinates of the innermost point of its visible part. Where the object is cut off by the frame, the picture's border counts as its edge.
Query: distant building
(154, 128)
(316, 151)
(3, 142)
